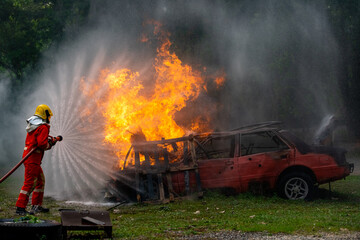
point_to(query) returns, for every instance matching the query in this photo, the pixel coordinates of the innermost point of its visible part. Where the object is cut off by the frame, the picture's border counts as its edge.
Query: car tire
(296, 186)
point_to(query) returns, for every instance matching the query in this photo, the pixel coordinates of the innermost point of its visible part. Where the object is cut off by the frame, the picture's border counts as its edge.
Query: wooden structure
(154, 164)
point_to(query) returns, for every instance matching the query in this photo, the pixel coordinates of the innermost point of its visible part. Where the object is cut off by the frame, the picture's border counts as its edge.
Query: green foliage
(28, 219)
(28, 27)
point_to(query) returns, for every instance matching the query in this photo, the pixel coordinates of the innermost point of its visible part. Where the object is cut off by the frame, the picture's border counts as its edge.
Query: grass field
(337, 212)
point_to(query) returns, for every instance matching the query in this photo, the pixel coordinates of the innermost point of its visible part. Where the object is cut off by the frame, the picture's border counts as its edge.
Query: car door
(217, 165)
(262, 156)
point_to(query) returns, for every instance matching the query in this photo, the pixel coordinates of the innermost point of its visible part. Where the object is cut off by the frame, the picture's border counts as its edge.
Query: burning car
(254, 158)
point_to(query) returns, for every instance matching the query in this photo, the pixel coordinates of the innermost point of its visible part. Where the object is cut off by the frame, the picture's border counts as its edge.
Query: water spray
(52, 139)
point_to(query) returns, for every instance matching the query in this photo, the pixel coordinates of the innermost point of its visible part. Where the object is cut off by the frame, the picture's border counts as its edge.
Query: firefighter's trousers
(34, 183)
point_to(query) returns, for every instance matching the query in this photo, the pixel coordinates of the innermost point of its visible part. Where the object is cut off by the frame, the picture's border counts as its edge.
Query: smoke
(4, 86)
(279, 58)
(11, 140)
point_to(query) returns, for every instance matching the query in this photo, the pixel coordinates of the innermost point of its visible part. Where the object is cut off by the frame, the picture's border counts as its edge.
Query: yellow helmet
(43, 111)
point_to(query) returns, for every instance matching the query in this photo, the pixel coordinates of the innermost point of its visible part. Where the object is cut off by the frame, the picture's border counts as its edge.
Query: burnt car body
(258, 159)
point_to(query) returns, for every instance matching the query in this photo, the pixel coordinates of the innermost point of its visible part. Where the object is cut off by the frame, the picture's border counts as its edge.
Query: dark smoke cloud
(248, 40)
(266, 47)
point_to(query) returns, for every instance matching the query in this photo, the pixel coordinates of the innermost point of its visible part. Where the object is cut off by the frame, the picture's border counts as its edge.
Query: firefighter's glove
(51, 141)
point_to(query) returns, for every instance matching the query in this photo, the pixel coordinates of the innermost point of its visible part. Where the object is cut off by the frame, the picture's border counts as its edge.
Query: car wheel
(296, 185)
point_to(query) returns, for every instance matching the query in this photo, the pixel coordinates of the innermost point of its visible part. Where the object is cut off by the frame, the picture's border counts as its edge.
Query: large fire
(128, 110)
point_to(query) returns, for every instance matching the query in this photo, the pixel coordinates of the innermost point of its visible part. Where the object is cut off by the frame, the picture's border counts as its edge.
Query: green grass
(333, 213)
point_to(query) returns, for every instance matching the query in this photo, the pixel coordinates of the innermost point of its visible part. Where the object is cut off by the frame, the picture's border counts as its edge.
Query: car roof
(253, 128)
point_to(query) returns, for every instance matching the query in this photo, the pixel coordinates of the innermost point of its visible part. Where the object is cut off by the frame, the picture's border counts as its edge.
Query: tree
(28, 27)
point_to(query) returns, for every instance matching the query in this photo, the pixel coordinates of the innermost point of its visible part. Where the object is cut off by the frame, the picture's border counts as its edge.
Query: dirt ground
(260, 236)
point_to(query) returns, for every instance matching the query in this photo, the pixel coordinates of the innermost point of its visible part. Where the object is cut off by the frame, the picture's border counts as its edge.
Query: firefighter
(37, 137)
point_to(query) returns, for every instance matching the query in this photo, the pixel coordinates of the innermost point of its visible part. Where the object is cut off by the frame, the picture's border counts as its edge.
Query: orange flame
(127, 110)
(220, 81)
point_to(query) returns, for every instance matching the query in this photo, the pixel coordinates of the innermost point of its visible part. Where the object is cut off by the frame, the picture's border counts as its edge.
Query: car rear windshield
(299, 144)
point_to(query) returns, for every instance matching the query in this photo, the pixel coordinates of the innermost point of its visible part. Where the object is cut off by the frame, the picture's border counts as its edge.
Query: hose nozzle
(58, 138)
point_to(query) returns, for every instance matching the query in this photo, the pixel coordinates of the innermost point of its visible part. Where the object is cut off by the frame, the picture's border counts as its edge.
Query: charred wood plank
(170, 186)
(166, 157)
(137, 176)
(153, 170)
(194, 159)
(157, 161)
(127, 155)
(182, 168)
(187, 182)
(198, 181)
(150, 186)
(192, 151)
(186, 162)
(161, 187)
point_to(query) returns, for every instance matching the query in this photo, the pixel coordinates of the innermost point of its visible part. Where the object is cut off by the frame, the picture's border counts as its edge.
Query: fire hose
(54, 139)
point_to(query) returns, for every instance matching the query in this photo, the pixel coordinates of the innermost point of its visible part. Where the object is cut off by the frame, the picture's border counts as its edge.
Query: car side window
(216, 147)
(260, 142)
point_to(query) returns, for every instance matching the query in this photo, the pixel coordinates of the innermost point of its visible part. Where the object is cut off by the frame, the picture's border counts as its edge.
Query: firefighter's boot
(21, 211)
(38, 209)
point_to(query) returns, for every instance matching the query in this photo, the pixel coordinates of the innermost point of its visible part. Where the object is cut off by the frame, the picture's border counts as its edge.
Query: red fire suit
(34, 181)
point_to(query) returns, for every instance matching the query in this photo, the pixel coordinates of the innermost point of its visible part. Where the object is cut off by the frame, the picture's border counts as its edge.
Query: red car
(258, 158)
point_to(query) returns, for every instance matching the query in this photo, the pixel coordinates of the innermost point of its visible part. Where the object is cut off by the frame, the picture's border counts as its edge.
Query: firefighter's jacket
(37, 137)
